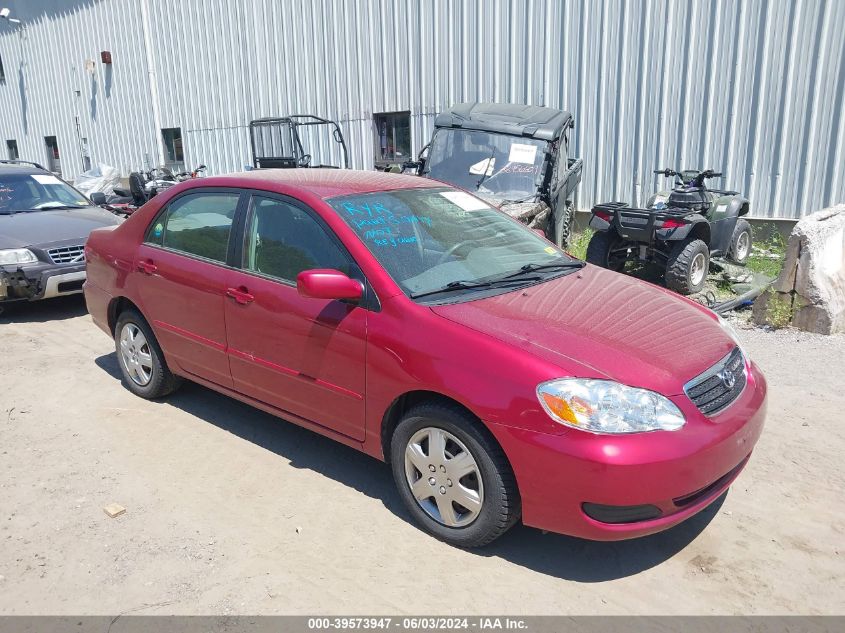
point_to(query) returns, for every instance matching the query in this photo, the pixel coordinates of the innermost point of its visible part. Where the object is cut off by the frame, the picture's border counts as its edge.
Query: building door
(174, 155)
(54, 163)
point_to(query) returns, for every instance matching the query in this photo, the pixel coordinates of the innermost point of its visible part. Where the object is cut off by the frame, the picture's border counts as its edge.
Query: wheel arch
(118, 305)
(407, 401)
(701, 231)
(697, 229)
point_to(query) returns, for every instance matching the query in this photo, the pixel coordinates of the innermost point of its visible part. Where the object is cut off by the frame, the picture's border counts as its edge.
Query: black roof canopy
(507, 118)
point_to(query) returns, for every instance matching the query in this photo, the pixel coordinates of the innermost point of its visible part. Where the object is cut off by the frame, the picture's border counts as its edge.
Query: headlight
(17, 256)
(604, 406)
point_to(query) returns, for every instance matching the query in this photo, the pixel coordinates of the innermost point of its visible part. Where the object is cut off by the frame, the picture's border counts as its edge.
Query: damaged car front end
(46, 271)
(44, 223)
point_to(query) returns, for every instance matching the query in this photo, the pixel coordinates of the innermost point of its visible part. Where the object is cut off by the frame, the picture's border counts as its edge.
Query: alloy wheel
(444, 477)
(698, 269)
(136, 356)
(743, 244)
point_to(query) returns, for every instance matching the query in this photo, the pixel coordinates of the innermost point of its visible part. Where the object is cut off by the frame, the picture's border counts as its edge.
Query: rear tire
(599, 250)
(687, 266)
(141, 360)
(740, 247)
(489, 482)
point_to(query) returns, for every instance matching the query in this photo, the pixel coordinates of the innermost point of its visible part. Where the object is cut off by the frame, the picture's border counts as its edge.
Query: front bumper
(677, 472)
(40, 281)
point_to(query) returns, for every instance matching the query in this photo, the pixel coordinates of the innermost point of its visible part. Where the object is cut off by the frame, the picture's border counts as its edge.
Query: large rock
(810, 291)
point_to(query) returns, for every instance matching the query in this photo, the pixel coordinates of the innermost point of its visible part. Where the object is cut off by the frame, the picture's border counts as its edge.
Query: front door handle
(240, 295)
(147, 266)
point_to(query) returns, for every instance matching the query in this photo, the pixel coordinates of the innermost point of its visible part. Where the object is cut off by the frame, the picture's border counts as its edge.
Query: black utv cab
(514, 156)
(277, 142)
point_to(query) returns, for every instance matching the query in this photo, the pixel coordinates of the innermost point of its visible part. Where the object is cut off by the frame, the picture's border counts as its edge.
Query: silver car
(44, 223)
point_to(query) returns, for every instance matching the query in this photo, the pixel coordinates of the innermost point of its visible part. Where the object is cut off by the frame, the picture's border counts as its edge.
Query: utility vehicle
(514, 156)
(679, 229)
(277, 142)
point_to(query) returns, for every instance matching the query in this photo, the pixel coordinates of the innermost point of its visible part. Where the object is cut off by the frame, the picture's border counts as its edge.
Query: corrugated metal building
(753, 87)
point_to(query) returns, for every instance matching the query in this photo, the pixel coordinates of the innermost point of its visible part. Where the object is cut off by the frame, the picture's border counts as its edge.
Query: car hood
(601, 324)
(32, 228)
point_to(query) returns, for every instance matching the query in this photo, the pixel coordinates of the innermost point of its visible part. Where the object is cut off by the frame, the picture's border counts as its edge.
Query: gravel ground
(229, 510)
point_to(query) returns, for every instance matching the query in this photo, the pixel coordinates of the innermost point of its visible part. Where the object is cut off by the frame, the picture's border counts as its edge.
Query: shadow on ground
(67, 307)
(552, 554)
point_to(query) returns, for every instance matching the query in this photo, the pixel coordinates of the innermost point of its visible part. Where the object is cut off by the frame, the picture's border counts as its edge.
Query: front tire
(687, 267)
(740, 247)
(562, 226)
(452, 477)
(141, 360)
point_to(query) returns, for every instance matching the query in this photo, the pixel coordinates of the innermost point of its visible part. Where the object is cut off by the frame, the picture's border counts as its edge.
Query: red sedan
(501, 378)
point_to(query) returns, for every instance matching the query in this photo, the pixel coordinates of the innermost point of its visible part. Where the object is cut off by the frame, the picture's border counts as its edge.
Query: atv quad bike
(514, 156)
(680, 230)
(277, 142)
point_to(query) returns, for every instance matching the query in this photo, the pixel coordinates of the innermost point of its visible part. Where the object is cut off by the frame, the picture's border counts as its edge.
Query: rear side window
(198, 224)
(283, 240)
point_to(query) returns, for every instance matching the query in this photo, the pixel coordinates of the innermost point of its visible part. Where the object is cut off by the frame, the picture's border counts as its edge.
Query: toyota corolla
(502, 379)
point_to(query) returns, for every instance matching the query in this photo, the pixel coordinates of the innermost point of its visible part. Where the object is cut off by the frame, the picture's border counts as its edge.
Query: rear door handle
(147, 267)
(240, 295)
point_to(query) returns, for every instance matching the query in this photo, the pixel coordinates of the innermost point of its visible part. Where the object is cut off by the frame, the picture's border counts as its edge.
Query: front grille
(720, 385)
(67, 254)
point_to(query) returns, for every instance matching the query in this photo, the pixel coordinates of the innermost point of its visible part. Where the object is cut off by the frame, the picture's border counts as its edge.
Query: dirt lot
(230, 510)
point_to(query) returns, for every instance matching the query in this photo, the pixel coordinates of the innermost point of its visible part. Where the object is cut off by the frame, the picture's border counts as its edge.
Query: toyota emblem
(728, 378)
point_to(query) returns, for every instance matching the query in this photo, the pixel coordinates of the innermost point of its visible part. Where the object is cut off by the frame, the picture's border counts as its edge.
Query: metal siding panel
(753, 88)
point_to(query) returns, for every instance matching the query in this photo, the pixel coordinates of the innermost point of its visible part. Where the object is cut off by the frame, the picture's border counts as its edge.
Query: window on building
(12, 149)
(173, 154)
(2, 72)
(54, 163)
(283, 240)
(392, 137)
(197, 224)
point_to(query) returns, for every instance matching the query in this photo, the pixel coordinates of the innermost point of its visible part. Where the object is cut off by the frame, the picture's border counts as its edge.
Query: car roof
(324, 183)
(507, 118)
(20, 167)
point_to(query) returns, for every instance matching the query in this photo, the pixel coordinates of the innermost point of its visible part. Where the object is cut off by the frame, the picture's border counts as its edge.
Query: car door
(302, 355)
(181, 269)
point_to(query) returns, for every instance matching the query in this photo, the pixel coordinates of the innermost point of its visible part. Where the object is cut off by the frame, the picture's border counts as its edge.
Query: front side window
(427, 239)
(495, 165)
(282, 240)
(197, 224)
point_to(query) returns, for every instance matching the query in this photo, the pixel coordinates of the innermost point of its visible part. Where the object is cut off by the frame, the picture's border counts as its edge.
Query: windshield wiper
(532, 268)
(59, 205)
(474, 285)
(488, 168)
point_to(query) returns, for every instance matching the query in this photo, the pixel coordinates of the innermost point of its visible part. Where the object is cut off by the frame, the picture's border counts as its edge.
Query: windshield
(495, 165)
(37, 192)
(427, 239)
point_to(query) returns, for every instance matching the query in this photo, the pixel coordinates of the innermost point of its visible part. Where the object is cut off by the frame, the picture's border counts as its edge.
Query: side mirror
(324, 283)
(98, 198)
